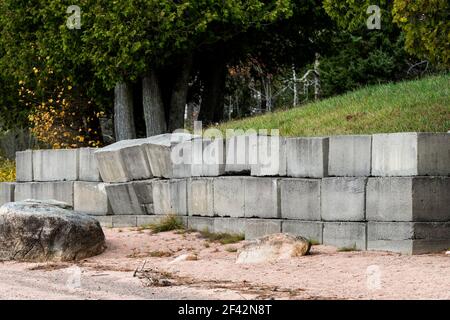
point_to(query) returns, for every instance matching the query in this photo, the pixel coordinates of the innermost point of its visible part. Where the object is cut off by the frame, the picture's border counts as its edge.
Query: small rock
(185, 257)
(274, 247)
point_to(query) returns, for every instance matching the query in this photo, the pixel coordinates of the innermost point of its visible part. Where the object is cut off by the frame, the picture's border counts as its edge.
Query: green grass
(7, 170)
(420, 105)
(168, 223)
(223, 238)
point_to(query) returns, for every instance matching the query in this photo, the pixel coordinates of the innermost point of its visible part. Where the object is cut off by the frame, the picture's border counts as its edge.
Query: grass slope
(420, 105)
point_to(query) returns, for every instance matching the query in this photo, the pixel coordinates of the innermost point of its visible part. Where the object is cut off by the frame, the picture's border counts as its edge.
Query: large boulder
(273, 247)
(33, 230)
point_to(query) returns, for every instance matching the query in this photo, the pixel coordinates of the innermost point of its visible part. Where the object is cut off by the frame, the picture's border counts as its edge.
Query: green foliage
(168, 223)
(223, 238)
(7, 170)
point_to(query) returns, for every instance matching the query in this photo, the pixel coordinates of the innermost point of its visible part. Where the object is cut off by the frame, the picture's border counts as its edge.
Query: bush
(7, 170)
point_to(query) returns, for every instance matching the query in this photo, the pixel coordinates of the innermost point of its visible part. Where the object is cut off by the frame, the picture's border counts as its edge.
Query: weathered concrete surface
(229, 196)
(123, 199)
(201, 223)
(345, 234)
(350, 156)
(60, 191)
(124, 221)
(307, 157)
(170, 197)
(144, 192)
(408, 237)
(24, 166)
(91, 198)
(88, 169)
(37, 231)
(343, 199)
(6, 192)
(239, 154)
(200, 193)
(208, 157)
(408, 199)
(147, 219)
(124, 161)
(256, 228)
(229, 225)
(170, 155)
(55, 165)
(271, 156)
(105, 221)
(262, 198)
(312, 230)
(411, 154)
(300, 198)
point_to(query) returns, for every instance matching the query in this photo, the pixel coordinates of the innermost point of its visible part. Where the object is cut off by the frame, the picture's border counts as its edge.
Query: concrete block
(201, 223)
(256, 228)
(343, 199)
(6, 192)
(240, 154)
(300, 198)
(91, 198)
(123, 199)
(350, 156)
(105, 221)
(411, 154)
(270, 154)
(88, 170)
(408, 237)
(262, 198)
(208, 157)
(307, 157)
(408, 199)
(144, 191)
(229, 225)
(170, 155)
(311, 230)
(55, 165)
(124, 161)
(146, 220)
(148, 208)
(345, 234)
(60, 191)
(124, 221)
(24, 166)
(200, 196)
(229, 196)
(170, 197)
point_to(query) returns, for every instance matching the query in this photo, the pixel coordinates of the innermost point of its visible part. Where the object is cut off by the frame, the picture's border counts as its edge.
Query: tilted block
(91, 198)
(60, 191)
(343, 199)
(256, 228)
(408, 237)
(411, 154)
(229, 196)
(300, 198)
(88, 170)
(55, 165)
(208, 157)
(6, 192)
(170, 197)
(270, 152)
(345, 234)
(262, 198)
(311, 230)
(350, 156)
(307, 157)
(24, 166)
(200, 193)
(123, 199)
(408, 199)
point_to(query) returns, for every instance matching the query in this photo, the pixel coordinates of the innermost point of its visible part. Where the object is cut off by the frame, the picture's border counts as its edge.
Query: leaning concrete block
(91, 198)
(240, 153)
(24, 166)
(345, 234)
(123, 199)
(200, 193)
(408, 237)
(55, 165)
(170, 155)
(88, 170)
(124, 161)
(229, 196)
(124, 221)
(6, 192)
(229, 225)
(311, 230)
(144, 191)
(307, 157)
(411, 154)
(262, 198)
(350, 156)
(408, 199)
(170, 197)
(300, 198)
(343, 199)
(201, 223)
(60, 191)
(256, 228)
(208, 157)
(270, 154)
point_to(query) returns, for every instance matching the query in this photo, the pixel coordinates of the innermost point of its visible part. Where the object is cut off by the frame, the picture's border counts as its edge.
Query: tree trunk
(179, 95)
(154, 115)
(123, 112)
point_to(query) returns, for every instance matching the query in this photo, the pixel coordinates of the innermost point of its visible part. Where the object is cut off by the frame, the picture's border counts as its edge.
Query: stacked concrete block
(229, 225)
(123, 199)
(24, 166)
(170, 197)
(88, 169)
(55, 165)
(300, 198)
(411, 154)
(146, 220)
(262, 198)
(201, 223)
(350, 156)
(256, 228)
(200, 195)
(208, 157)
(91, 198)
(270, 153)
(229, 198)
(59, 190)
(307, 157)
(311, 230)
(348, 235)
(144, 194)
(6, 192)
(240, 154)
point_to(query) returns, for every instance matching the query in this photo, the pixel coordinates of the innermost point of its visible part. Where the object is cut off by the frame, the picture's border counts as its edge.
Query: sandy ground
(140, 265)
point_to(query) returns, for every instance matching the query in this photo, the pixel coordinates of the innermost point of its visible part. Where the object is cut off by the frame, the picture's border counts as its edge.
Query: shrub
(7, 170)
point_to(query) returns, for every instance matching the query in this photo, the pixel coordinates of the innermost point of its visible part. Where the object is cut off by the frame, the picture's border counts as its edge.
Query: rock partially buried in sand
(38, 231)
(274, 247)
